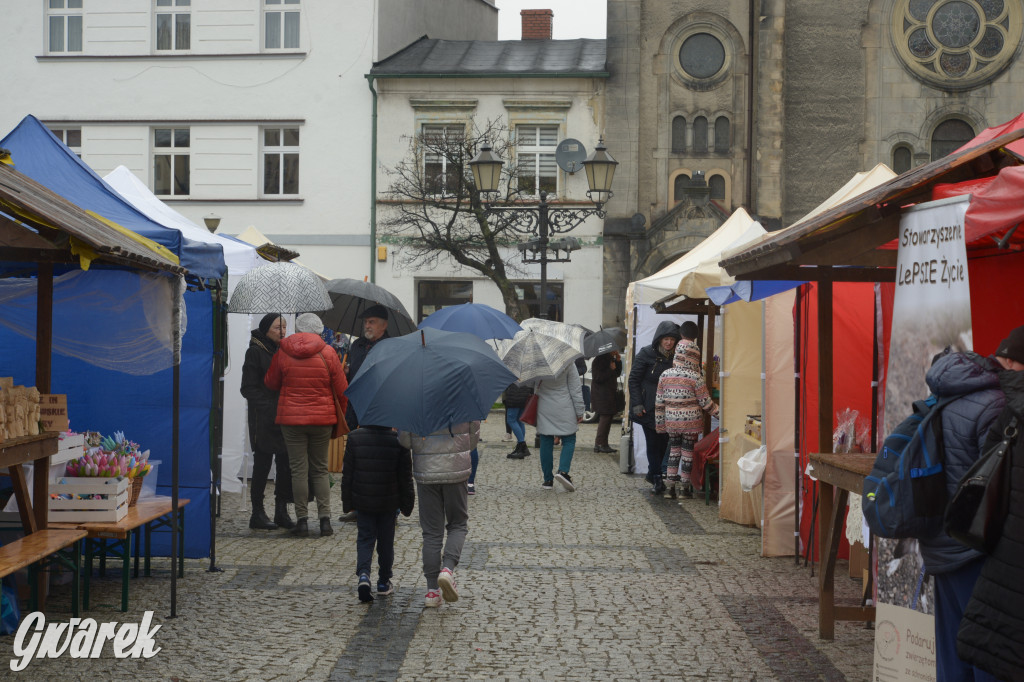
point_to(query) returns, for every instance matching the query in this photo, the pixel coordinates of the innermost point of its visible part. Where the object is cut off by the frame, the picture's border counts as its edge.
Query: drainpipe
(752, 44)
(373, 183)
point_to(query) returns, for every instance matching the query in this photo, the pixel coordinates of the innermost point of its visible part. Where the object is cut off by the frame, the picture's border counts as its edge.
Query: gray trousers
(442, 507)
(308, 446)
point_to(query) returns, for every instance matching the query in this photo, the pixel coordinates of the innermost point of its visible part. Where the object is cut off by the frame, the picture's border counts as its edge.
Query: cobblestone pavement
(606, 583)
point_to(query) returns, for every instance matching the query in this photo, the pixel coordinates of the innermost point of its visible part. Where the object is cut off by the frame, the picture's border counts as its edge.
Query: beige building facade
(774, 104)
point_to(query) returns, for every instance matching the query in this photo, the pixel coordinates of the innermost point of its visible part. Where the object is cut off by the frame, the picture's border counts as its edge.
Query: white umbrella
(279, 288)
(534, 356)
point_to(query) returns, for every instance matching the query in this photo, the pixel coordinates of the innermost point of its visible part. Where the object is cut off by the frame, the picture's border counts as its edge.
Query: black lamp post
(543, 221)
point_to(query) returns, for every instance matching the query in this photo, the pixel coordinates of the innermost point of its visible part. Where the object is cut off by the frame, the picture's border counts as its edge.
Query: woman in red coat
(308, 375)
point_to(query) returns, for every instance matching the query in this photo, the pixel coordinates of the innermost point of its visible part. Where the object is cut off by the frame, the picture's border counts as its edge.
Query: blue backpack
(905, 494)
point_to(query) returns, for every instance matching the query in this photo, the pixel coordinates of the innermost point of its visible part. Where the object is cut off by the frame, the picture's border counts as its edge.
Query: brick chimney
(537, 24)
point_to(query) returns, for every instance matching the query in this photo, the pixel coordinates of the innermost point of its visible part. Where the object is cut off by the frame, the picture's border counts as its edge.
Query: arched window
(716, 183)
(700, 134)
(901, 159)
(950, 135)
(679, 186)
(721, 135)
(678, 134)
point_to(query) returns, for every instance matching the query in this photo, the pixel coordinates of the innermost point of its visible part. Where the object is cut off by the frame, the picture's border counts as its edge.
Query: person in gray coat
(441, 464)
(559, 412)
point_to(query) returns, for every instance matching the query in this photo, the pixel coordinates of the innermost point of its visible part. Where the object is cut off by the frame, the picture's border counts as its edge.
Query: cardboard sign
(53, 412)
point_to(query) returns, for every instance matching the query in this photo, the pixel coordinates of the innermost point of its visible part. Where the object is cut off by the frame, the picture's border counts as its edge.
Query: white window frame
(538, 151)
(280, 151)
(445, 128)
(173, 9)
(281, 13)
(71, 18)
(175, 152)
(66, 134)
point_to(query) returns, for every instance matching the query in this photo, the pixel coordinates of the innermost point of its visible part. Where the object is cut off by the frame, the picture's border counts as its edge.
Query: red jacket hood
(302, 345)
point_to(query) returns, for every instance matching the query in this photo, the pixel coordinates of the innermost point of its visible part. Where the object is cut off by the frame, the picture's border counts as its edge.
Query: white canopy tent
(240, 259)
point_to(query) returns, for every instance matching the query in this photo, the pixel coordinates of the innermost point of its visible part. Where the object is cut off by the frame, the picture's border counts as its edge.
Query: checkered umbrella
(279, 288)
(542, 350)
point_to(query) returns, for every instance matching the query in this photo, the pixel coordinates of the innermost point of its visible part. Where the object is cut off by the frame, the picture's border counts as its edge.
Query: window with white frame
(173, 24)
(71, 137)
(281, 161)
(281, 24)
(442, 152)
(171, 161)
(64, 21)
(535, 154)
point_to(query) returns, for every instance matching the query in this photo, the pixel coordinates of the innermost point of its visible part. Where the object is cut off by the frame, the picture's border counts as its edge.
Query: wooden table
(838, 475)
(146, 515)
(36, 449)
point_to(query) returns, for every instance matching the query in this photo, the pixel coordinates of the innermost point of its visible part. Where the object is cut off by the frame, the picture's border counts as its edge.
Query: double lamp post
(542, 220)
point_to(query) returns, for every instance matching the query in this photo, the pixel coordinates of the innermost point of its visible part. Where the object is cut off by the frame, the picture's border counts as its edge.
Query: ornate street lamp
(542, 221)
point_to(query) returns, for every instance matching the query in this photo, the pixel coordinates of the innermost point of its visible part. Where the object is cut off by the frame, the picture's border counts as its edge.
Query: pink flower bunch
(107, 464)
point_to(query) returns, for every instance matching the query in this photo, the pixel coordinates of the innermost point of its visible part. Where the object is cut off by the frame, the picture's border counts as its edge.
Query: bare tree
(433, 210)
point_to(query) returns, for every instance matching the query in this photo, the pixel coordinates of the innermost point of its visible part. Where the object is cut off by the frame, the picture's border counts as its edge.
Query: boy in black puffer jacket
(376, 481)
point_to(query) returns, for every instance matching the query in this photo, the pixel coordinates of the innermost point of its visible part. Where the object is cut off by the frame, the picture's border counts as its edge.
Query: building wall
(575, 104)
(225, 88)
(449, 19)
(834, 91)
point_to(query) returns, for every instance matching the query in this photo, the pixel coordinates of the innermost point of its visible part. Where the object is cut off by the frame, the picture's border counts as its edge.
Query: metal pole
(542, 223)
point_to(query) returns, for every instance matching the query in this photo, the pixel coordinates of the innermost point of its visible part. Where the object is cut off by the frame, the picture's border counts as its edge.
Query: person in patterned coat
(682, 395)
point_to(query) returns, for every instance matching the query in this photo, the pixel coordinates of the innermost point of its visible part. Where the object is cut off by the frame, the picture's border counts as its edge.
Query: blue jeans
(952, 592)
(379, 530)
(474, 457)
(512, 419)
(547, 454)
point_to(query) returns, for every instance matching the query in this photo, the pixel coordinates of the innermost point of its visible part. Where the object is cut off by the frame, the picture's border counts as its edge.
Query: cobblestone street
(606, 583)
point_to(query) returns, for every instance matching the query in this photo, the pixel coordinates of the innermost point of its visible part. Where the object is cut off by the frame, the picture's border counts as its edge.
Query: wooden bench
(42, 546)
(144, 516)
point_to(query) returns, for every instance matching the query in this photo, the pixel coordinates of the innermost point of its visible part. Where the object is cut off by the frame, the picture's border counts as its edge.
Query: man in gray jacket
(441, 464)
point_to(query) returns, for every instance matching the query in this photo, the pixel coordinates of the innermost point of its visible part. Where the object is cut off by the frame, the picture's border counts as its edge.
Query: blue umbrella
(477, 319)
(428, 381)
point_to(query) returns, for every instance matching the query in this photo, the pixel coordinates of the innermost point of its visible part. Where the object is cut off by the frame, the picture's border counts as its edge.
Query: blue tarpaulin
(106, 400)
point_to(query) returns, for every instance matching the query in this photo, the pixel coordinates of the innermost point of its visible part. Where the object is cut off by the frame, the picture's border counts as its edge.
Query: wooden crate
(110, 505)
(336, 455)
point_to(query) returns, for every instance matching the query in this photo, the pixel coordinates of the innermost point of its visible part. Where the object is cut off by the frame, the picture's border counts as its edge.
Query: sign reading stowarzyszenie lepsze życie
(931, 310)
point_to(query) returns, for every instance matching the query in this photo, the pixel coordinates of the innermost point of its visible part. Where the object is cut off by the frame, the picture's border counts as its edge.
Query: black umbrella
(350, 297)
(604, 341)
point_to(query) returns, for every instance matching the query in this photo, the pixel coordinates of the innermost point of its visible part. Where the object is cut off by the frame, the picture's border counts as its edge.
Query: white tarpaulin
(240, 259)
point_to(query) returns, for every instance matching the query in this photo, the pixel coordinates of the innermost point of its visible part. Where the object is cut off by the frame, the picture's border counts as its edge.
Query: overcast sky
(573, 18)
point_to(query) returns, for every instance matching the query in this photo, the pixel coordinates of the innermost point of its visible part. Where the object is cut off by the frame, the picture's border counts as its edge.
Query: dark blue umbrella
(477, 319)
(428, 381)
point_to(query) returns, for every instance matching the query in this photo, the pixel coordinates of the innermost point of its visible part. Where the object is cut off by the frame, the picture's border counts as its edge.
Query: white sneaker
(507, 438)
(432, 600)
(446, 581)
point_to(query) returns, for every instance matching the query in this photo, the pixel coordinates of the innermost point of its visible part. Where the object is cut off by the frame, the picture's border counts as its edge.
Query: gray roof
(475, 58)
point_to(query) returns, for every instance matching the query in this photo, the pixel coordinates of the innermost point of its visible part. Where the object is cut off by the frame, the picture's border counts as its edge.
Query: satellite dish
(570, 155)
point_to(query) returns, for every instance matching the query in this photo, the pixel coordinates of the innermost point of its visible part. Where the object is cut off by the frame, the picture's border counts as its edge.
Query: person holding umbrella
(375, 328)
(308, 375)
(605, 371)
(265, 435)
(559, 413)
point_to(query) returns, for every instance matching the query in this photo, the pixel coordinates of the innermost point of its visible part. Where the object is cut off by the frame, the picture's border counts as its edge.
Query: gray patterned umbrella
(533, 355)
(279, 288)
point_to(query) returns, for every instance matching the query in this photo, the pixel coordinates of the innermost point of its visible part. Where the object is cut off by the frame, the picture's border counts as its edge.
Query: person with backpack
(991, 635)
(972, 381)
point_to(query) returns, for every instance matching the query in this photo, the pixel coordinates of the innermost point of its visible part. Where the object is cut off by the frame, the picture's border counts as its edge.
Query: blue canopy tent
(104, 399)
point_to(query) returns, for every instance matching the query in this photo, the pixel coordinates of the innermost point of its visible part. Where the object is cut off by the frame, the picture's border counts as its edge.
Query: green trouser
(307, 454)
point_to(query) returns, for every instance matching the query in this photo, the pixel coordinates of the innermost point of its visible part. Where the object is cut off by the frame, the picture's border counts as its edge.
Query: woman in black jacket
(265, 435)
(647, 367)
(605, 371)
